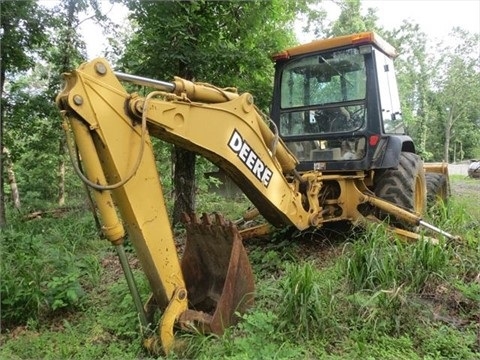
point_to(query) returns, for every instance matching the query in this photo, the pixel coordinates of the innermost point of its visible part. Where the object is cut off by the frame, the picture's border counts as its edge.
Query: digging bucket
(217, 274)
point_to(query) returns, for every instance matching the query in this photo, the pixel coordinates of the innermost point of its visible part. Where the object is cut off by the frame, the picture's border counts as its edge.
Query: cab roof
(363, 38)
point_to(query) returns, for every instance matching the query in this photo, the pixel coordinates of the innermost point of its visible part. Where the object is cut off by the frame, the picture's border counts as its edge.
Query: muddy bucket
(217, 274)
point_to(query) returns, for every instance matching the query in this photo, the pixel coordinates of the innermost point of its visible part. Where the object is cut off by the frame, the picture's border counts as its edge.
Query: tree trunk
(448, 136)
(183, 183)
(3, 216)
(184, 163)
(446, 153)
(66, 63)
(12, 181)
(424, 127)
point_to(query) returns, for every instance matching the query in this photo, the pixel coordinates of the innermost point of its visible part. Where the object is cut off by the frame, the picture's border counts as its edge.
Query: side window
(389, 100)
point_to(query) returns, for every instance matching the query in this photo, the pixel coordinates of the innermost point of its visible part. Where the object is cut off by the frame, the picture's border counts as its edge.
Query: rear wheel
(437, 188)
(403, 186)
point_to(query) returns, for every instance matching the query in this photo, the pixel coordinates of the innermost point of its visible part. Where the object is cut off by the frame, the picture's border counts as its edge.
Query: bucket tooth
(206, 219)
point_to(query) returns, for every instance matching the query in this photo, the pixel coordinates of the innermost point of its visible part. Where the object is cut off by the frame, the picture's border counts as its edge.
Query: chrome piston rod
(143, 81)
(439, 231)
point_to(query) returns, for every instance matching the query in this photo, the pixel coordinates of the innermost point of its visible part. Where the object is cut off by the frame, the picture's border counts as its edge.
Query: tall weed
(373, 261)
(456, 216)
(380, 262)
(385, 276)
(307, 303)
(424, 262)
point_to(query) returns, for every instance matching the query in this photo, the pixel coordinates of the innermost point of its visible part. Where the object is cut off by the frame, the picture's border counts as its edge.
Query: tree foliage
(224, 43)
(50, 44)
(31, 135)
(23, 33)
(351, 20)
(438, 88)
(414, 74)
(227, 43)
(457, 98)
(22, 37)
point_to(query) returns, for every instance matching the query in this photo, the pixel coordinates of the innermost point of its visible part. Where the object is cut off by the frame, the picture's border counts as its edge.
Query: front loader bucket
(217, 274)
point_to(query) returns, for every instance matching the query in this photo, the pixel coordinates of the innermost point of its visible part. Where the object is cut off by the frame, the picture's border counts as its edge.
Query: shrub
(42, 269)
(22, 274)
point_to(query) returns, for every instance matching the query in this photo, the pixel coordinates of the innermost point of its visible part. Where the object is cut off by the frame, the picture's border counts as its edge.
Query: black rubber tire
(437, 188)
(403, 186)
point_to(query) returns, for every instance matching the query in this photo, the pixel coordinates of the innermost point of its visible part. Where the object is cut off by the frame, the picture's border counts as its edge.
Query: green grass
(374, 297)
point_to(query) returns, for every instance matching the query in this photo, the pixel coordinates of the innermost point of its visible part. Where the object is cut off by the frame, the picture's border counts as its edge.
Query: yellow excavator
(333, 149)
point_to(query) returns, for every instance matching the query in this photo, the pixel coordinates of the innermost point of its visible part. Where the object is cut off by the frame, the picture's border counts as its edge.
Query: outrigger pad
(217, 274)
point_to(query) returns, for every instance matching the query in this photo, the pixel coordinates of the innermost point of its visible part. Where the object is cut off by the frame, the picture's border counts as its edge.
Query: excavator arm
(112, 130)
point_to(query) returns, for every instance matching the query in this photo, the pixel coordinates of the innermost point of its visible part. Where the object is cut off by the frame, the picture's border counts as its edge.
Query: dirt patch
(326, 244)
(466, 188)
(112, 268)
(467, 192)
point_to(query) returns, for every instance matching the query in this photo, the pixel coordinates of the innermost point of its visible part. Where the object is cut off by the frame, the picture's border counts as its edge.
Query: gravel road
(458, 169)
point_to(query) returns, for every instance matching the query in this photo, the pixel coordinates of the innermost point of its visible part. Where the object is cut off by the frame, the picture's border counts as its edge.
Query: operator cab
(336, 103)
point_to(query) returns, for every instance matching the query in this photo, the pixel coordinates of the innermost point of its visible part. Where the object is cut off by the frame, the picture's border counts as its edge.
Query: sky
(435, 17)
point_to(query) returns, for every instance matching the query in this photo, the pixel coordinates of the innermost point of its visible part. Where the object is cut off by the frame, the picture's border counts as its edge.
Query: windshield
(324, 79)
(321, 95)
(322, 121)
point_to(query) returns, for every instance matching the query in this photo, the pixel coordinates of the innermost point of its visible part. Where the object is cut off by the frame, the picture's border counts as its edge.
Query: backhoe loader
(334, 151)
